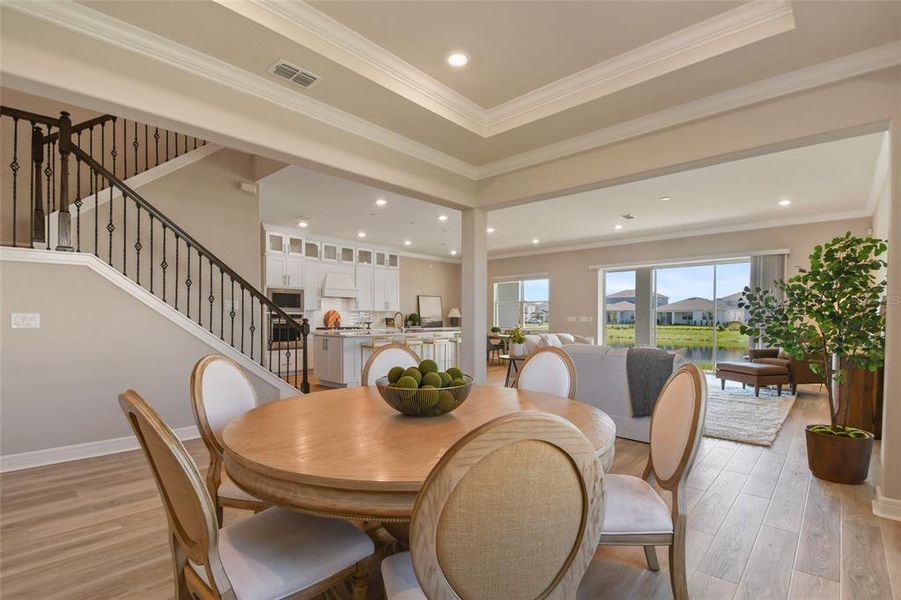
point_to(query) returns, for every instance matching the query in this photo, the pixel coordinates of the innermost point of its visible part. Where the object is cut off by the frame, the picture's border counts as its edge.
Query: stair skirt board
(61, 454)
(112, 275)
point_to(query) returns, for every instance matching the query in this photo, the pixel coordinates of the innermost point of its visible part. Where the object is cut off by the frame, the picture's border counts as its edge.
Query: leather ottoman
(753, 373)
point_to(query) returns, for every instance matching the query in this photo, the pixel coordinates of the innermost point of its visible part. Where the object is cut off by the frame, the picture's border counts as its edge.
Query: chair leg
(779, 390)
(794, 388)
(179, 561)
(757, 390)
(723, 384)
(361, 580)
(220, 514)
(677, 576)
(650, 554)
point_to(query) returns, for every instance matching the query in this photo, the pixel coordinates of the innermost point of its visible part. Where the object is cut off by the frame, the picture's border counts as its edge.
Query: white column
(644, 297)
(888, 496)
(474, 292)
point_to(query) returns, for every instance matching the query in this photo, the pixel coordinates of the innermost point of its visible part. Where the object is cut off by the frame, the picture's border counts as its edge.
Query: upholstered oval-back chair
(512, 511)
(383, 359)
(272, 554)
(220, 392)
(636, 515)
(549, 370)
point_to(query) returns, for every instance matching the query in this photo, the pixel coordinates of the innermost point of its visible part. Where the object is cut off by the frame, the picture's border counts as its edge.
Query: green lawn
(689, 336)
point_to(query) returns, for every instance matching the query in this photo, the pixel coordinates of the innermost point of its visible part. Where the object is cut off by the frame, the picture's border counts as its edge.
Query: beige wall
(59, 383)
(430, 278)
(574, 287)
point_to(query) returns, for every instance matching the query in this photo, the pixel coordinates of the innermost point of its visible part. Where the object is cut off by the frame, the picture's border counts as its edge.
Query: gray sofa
(601, 381)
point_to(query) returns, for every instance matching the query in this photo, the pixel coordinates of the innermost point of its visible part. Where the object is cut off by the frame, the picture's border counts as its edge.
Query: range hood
(338, 285)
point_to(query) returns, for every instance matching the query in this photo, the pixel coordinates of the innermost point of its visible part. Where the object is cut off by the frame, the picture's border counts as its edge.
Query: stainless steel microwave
(290, 301)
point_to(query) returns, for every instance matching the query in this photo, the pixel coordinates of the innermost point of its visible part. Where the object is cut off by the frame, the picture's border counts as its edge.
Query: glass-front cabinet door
(381, 259)
(347, 254)
(295, 245)
(275, 243)
(311, 250)
(330, 252)
(393, 261)
(364, 256)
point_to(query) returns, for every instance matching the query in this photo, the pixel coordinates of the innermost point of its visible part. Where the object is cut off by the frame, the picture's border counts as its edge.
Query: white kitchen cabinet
(294, 272)
(392, 290)
(311, 288)
(282, 243)
(337, 360)
(275, 270)
(364, 287)
(379, 279)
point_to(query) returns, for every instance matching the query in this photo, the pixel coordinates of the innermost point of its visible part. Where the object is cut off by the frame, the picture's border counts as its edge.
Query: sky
(535, 289)
(685, 282)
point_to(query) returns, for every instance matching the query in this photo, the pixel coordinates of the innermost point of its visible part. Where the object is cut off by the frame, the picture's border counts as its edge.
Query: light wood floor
(759, 527)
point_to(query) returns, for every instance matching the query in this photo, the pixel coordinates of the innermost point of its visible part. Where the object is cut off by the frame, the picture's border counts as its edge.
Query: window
(523, 302)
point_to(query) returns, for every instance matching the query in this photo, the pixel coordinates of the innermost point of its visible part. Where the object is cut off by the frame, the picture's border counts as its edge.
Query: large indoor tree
(831, 309)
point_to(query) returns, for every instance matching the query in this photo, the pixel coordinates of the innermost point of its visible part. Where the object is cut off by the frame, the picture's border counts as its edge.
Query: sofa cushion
(782, 362)
(566, 338)
(549, 339)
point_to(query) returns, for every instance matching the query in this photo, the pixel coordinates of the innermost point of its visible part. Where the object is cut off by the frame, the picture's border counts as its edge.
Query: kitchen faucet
(398, 323)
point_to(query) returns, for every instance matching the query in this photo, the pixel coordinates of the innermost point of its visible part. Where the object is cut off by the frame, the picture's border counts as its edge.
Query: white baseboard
(887, 508)
(61, 454)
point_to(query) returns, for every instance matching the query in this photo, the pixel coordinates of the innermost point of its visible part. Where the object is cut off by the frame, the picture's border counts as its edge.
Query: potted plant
(830, 315)
(412, 320)
(517, 342)
(495, 329)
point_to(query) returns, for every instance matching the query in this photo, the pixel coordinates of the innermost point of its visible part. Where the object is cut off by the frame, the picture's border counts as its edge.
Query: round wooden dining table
(346, 454)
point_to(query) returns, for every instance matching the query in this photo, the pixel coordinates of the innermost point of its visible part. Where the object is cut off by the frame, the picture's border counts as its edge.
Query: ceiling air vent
(628, 216)
(301, 77)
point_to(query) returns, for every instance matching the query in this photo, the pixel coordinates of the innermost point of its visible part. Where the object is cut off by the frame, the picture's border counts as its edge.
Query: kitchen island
(339, 354)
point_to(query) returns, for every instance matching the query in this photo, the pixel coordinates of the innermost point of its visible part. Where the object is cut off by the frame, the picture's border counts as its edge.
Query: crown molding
(845, 67)
(83, 20)
(297, 20)
(99, 26)
(662, 237)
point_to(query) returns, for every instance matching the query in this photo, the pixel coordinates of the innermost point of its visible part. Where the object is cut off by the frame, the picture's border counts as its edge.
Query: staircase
(66, 191)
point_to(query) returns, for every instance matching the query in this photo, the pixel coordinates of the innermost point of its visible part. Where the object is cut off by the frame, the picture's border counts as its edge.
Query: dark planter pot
(839, 459)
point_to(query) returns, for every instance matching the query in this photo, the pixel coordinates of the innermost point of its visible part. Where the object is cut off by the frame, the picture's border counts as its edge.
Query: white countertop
(365, 333)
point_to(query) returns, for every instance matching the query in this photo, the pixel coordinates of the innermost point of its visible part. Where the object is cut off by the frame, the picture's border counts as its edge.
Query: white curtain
(766, 270)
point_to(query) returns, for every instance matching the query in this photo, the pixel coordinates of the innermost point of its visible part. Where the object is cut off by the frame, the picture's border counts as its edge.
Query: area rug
(736, 414)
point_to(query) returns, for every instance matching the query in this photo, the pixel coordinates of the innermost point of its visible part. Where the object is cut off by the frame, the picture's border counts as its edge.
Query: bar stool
(366, 349)
(455, 350)
(415, 345)
(440, 349)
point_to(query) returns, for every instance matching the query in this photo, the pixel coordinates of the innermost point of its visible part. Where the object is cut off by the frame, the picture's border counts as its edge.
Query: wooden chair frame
(675, 485)
(469, 451)
(567, 360)
(204, 551)
(364, 377)
(212, 443)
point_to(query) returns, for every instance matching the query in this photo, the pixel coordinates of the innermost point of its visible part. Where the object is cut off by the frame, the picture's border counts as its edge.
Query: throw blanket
(647, 369)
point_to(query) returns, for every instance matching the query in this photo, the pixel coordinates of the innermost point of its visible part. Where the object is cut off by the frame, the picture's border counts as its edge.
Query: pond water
(701, 354)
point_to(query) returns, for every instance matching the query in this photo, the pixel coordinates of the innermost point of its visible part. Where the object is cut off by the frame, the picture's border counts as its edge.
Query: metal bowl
(424, 402)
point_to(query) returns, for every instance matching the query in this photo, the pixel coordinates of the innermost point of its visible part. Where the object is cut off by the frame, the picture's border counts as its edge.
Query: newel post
(64, 223)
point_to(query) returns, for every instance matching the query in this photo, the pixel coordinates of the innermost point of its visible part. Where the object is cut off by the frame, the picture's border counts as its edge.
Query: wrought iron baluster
(176, 268)
(242, 318)
(31, 190)
(186, 144)
(253, 327)
(53, 158)
(262, 329)
(138, 247)
(221, 304)
(124, 232)
(114, 153)
(231, 313)
(136, 145)
(199, 287)
(211, 298)
(164, 265)
(96, 214)
(305, 333)
(14, 167)
(94, 186)
(124, 149)
(109, 226)
(167, 143)
(146, 148)
(188, 281)
(78, 198)
(48, 173)
(152, 267)
(156, 146)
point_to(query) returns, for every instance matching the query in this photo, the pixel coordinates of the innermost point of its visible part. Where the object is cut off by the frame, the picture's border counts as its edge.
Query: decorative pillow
(566, 338)
(549, 339)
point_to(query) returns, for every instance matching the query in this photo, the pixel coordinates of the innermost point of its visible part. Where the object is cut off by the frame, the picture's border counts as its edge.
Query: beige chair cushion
(276, 552)
(634, 508)
(226, 395)
(400, 578)
(229, 489)
(384, 361)
(545, 372)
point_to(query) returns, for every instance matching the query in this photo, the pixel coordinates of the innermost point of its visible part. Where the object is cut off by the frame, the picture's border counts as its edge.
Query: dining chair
(549, 370)
(636, 515)
(220, 391)
(512, 511)
(272, 554)
(383, 359)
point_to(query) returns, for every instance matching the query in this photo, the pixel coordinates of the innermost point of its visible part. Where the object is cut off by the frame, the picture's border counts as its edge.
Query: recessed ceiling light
(442, 218)
(381, 202)
(407, 242)
(361, 234)
(666, 199)
(453, 253)
(784, 202)
(457, 59)
(535, 241)
(303, 224)
(618, 226)
(490, 230)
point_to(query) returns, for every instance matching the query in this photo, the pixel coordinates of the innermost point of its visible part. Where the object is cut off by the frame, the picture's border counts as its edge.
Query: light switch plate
(570, 319)
(583, 319)
(25, 320)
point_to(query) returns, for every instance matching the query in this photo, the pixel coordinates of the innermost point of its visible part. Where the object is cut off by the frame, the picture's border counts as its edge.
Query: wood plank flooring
(759, 527)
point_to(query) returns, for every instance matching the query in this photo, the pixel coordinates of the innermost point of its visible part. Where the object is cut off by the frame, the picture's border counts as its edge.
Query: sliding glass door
(619, 308)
